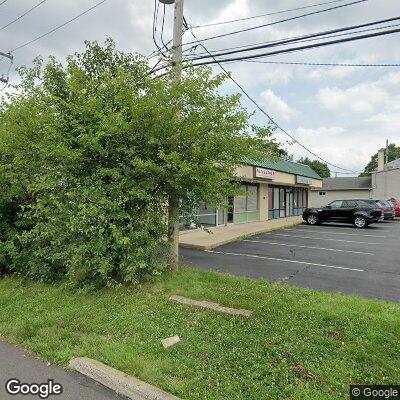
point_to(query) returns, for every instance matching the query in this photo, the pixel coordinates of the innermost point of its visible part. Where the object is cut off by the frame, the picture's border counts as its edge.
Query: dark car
(356, 212)
(387, 209)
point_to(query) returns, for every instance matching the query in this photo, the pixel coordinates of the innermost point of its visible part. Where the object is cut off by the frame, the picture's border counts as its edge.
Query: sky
(343, 114)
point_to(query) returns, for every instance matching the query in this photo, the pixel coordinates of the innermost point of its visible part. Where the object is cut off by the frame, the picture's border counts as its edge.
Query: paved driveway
(330, 257)
(14, 363)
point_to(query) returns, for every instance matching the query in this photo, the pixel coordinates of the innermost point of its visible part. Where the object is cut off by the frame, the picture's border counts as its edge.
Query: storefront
(286, 201)
(271, 190)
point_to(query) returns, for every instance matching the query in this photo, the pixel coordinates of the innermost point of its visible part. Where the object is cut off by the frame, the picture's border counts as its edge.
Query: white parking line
(314, 238)
(335, 233)
(309, 247)
(283, 260)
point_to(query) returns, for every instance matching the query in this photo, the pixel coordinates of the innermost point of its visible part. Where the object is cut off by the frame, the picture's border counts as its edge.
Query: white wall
(320, 201)
(386, 184)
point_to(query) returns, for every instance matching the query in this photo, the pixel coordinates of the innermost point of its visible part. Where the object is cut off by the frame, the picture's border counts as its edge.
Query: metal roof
(285, 166)
(347, 183)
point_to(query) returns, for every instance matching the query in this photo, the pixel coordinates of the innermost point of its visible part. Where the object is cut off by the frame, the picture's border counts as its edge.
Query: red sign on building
(264, 173)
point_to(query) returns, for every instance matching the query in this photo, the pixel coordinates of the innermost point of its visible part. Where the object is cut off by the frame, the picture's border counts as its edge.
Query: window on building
(286, 201)
(246, 206)
(322, 193)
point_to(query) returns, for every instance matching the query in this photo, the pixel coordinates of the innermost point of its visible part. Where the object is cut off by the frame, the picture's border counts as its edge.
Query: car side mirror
(328, 207)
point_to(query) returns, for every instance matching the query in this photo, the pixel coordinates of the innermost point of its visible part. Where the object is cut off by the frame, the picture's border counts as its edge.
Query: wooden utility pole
(3, 78)
(387, 152)
(173, 206)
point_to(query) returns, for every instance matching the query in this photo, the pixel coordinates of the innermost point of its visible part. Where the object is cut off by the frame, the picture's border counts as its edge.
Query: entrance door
(289, 203)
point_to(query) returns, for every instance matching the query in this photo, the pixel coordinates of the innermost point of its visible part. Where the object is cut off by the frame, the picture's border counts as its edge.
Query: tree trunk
(173, 231)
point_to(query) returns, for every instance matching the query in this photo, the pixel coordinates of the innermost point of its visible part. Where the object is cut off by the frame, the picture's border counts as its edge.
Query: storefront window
(252, 198)
(246, 207)
(286, 201)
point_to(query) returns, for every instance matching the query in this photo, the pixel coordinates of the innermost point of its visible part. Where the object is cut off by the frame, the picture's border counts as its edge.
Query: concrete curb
(118, 381)
(219, 242)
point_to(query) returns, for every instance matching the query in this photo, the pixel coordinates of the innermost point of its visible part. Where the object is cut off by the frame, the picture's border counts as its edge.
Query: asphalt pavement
(15, 363)
(329, 257)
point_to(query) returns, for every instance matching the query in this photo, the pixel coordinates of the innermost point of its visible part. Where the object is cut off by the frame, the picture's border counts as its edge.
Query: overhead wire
(155, 25)
(317, 64)
(162, 29)
(305, 37)
(22, 15)
(266, 15)
(58, 26)
(272, 121)
(278, 22)
(296, 49)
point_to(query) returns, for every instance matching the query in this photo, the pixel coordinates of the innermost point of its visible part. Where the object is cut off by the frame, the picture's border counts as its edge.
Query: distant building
(386, 179)
(341, 188)
(384, 183)
(271, 190)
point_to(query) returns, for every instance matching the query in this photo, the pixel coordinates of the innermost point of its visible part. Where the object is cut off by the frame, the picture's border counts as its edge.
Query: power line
(295, 49)
(155, 24)
(265, 15)
(263, 111)
(307, 38)
(314, 36)
(59, 26)
(279, 22)
(162, 28)
(322, 64)
(3, 2)
(23, 15)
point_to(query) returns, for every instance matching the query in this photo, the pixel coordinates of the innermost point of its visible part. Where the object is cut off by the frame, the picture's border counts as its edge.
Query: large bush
(90, 152)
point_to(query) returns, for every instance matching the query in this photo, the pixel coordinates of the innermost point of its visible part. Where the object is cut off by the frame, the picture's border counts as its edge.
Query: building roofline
(338, 190)
(305, 171)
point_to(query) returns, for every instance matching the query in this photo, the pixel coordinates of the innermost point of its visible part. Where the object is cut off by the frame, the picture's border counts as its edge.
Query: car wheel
(312, 219)
(360, 222)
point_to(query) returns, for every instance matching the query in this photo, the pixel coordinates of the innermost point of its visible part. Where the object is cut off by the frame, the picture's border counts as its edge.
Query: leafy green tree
(91, 151)
(319, 167)
(393, 154)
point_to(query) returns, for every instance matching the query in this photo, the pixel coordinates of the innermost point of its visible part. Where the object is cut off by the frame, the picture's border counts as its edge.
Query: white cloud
(341, 146)
(363, 98)
(276, 105)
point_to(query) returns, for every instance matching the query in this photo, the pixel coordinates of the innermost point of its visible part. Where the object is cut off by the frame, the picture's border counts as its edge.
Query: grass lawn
(299, 344)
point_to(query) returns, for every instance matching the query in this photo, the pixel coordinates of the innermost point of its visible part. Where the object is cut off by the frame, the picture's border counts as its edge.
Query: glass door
(289, 206)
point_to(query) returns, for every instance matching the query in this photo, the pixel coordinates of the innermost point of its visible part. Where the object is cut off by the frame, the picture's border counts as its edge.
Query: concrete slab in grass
(118, 381)
(211, 306)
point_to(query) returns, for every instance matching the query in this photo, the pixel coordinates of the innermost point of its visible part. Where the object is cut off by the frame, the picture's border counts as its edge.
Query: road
(14, 363)
(330, 257)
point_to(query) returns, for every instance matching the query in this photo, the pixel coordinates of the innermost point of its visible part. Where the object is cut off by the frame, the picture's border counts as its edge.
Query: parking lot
(329, 257)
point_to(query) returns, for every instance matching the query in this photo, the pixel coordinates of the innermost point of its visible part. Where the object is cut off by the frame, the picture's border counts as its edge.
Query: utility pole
(173, 202)
(387, 152)
(8, 55)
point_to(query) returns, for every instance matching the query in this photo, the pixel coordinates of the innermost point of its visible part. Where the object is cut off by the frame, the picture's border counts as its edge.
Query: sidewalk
(202, 240)
(15, 363)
